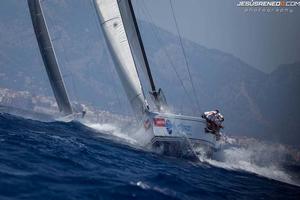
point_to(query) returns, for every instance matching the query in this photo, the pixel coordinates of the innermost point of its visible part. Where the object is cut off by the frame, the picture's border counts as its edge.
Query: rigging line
(95, 17)
(41, 62)
(165, 52)
(184, 54)
(66, 60)
(113, 73)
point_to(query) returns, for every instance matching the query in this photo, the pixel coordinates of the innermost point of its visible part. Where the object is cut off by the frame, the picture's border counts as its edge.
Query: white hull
(179, 134)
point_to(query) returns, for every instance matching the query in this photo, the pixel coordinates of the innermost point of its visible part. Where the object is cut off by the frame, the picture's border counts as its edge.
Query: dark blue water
(70, 161)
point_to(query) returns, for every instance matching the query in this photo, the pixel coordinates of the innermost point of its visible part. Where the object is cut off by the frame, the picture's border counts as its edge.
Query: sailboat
(49, 57)
(166, 132)
(169, 132)
(51, 64)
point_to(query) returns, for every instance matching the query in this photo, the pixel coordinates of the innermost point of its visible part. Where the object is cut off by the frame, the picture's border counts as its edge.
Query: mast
(148, 70)
(49, 56)
(138, 50)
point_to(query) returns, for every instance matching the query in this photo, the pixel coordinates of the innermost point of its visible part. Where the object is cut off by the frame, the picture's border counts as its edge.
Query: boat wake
(249, 155)
(129, 134)
(112, 130)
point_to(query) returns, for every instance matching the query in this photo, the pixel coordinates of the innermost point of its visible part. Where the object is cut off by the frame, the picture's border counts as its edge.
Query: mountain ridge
(254, 103)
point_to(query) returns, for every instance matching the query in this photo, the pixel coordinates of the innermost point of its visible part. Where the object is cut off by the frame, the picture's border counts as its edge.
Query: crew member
(214, 121)
(83, 113)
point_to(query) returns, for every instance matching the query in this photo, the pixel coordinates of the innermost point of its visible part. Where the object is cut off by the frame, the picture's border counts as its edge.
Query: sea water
(59, 160)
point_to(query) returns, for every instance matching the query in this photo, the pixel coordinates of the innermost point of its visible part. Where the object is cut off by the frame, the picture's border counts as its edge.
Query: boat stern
(173, 133)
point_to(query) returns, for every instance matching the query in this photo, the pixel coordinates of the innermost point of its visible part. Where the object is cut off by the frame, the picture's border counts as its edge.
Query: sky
(263, 40)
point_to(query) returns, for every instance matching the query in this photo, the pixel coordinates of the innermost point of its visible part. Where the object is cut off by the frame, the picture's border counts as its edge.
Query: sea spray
(246, 154)
(113, 130)
(132, 134)
(251, 155)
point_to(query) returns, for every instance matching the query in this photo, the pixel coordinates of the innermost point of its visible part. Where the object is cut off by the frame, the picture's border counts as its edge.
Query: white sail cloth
(131, 30)
(120, 37)
(49, 57)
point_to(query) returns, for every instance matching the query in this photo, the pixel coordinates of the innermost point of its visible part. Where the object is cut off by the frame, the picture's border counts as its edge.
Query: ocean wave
(60, 160)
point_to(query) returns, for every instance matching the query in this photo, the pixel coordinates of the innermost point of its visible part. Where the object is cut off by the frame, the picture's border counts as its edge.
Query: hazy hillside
(279, 99)
(254, 103)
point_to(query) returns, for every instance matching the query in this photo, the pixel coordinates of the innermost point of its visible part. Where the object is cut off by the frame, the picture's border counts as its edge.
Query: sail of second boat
(49, 56)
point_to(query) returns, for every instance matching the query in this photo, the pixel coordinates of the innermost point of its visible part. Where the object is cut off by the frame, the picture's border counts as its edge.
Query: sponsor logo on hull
(159, 122)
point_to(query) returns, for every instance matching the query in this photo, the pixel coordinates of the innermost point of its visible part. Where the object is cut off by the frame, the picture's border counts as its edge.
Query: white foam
(146, 186)
(254, 157)
(111, 129)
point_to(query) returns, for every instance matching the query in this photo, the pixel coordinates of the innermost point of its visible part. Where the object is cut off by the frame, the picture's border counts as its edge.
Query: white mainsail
(138, 50)
(135, 39)
(49, 57)
(120, 41)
